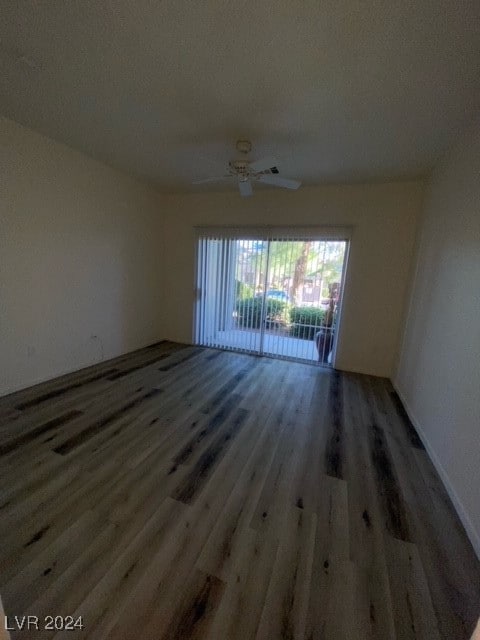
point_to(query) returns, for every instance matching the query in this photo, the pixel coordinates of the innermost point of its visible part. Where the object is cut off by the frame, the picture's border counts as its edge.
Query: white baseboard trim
(6, 391)
(47, 378)
(472, 533)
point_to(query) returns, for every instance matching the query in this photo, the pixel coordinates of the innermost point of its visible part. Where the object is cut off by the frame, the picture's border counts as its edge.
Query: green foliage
(306, 321)
(242, 290)
(249, 312)
(307, 315)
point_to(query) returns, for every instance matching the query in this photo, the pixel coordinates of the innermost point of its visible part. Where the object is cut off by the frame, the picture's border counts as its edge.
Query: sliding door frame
(268, 233)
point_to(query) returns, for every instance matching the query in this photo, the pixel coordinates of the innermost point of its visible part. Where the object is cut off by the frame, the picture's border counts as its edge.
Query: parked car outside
(276, 294)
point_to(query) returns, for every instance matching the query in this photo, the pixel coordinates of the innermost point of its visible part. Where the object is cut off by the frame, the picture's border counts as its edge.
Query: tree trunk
(300, 271)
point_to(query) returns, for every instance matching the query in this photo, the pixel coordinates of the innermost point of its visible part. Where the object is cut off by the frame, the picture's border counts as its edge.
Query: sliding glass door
(272, 295)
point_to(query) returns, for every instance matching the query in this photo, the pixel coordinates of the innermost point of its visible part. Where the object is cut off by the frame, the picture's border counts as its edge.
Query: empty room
(240, 320)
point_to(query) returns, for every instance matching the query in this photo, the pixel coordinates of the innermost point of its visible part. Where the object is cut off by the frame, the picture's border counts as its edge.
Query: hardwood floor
(186, 493)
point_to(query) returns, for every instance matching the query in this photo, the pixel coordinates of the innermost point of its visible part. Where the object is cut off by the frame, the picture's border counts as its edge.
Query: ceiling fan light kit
(245, 172)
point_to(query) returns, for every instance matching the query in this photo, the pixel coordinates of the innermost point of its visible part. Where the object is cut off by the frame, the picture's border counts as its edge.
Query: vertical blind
(269, 294)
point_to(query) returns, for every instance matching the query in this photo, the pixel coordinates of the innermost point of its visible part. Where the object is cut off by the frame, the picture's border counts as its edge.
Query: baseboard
(41, 379)
(65, 372)
(472, 533)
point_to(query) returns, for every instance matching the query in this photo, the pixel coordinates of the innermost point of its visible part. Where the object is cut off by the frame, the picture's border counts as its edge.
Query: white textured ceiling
(338, 90)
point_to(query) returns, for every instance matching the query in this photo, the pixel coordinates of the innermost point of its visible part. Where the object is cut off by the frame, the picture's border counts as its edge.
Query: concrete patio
(273, 343)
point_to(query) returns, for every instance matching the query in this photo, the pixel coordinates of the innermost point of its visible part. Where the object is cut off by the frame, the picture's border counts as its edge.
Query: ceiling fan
(246, 172)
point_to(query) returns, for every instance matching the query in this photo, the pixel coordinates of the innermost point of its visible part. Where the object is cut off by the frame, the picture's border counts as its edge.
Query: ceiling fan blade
(277, 181)
(262, 164)
(216, 179)
(245, 188)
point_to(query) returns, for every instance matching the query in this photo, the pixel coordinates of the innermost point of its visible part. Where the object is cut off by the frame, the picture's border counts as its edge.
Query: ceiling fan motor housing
(241, 169)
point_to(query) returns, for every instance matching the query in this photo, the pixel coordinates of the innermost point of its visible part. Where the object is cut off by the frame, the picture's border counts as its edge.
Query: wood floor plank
(279, 485)
(225, 542)
(164, 580)
(182, 492)
(445, 552)
(413, 612)
(247, 591)
(29, 583)
(100, 608)
(196, 610)
(367, 518)
(332, 584)
(284, 613)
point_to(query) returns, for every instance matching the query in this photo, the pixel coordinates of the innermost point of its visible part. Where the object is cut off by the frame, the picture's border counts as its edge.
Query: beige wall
(439, 371)
(80, 260)
(95, 264)
(383, 218)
